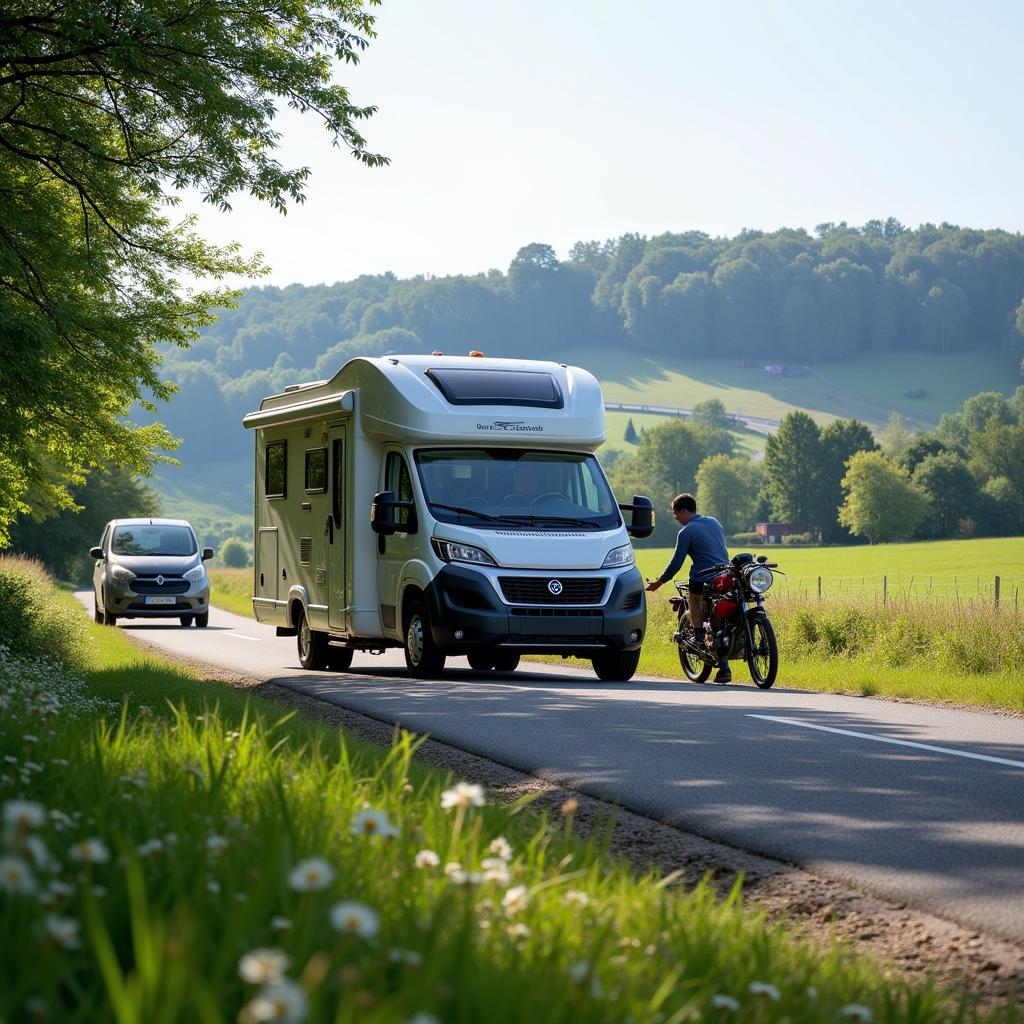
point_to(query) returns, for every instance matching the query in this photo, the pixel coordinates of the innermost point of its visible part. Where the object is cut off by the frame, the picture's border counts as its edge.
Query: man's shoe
(723, 676)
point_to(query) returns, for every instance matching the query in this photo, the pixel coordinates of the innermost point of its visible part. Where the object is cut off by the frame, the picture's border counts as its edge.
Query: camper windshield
(493, 488)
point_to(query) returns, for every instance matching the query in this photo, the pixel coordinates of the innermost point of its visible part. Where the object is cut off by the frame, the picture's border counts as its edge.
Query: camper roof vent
(464, 386)
(292, 387)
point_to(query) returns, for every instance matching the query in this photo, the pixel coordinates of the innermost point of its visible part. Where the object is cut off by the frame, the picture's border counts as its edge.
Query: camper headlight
(618, 557)
(453, 552)
(196, 575)
(760, 579)
(121, 574)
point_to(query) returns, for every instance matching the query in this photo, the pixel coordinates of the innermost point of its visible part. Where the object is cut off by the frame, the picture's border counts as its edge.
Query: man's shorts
(695, 587)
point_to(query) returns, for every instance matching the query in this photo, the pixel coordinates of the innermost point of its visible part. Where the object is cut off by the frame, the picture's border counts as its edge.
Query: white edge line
(898, 743)
(242, 636)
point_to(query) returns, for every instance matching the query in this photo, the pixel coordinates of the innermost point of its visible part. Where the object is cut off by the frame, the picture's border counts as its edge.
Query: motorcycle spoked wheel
(694, 668)
(763, 659)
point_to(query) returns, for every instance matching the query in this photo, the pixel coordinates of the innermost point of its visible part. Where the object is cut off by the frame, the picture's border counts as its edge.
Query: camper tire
(312, 645)
(423, 658)
(616, 666)
(339, 658)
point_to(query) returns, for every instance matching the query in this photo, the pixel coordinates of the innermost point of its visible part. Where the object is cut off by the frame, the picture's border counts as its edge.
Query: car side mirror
(95, 552)
(383, 518)
(642, 523)
(207, 554)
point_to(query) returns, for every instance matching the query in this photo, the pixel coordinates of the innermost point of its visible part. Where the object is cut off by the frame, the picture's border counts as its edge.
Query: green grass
(869, 388)
(232, 589)
(747, 442)
(198, 804)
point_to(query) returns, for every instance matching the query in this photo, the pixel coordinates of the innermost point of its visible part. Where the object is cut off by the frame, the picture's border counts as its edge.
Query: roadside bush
(801, 539)
(746, 540)
(233, 554)
(34, 621)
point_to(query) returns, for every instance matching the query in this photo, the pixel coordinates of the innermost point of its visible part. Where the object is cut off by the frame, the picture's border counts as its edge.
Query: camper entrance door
(337, 533)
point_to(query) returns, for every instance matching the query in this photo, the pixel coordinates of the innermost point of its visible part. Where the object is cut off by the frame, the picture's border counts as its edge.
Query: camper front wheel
(423, 657)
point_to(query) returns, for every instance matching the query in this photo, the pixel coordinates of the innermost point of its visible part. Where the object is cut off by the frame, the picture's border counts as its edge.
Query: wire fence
(987, 591)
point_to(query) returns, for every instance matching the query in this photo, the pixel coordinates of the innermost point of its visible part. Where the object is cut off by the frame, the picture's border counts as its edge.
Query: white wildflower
(311, 875)
(355, 919)
(281, 1003)
(90, 851)
(466, 878)
(280, 924)
(812, 994)
(59, 818)
(579, 970)
(453, 867)
(518, 930)
(216, 844)
(39, 854)
(65, 931)
(723, 1002)
(427, 859)
(463, 794)
(24, 814)
(150, 848)
(495, 870)
(212, 885)
(855, 1011)
(501, 847)
(373, 823)
(405, 956)
(16, 876)
(61, 889)
(515, 899)
(576, 898)
(763, 990)
(263, 966)
(30, 738)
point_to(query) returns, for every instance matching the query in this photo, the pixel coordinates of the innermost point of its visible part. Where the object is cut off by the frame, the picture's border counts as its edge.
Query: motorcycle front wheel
(695, 669)
(763, 655)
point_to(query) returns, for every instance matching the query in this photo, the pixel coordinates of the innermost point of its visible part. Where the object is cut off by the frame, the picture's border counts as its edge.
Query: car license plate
(162, 599)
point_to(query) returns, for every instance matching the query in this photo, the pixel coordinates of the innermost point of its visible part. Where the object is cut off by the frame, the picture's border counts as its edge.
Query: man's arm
(675, 563)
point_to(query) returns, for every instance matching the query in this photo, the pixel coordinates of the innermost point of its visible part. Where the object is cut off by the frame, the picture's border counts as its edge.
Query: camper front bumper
(467, 615)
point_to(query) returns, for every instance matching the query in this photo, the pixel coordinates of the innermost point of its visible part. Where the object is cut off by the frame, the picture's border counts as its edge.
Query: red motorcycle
(736, 624)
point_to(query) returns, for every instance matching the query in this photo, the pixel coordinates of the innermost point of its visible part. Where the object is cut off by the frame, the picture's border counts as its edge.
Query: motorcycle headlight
(121, 574)
(618, 557)
(760, 579)
(452, 552)
(196, 575)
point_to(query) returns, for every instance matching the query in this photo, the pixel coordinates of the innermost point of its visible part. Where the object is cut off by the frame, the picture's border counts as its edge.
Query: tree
(951, 489)
(711, 413)
(840, 440)
(630, 436)
(727, 489)
(62, 542)
(106, 110)
(998, 450)
(792, 471)
(882, 503)
(918, 450)
(234, 554)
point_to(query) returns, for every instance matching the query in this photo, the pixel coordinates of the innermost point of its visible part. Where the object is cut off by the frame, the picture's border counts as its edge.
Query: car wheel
(202, 621)
(97, 611)
(185, 620)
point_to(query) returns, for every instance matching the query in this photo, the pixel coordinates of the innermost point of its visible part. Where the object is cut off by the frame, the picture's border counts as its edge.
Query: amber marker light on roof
(476, 355)
(437, 352)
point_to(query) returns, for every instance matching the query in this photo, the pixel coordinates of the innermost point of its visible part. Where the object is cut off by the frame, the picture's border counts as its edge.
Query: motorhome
(450, 506)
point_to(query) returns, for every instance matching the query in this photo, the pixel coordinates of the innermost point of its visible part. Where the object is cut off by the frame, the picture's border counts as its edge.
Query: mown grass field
(176, 851)
(747, 442)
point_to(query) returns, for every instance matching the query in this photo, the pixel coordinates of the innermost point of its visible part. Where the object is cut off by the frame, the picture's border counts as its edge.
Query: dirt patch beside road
(906, 941)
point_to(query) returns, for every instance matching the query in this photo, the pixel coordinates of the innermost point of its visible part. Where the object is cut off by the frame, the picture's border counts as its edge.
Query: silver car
(151, 568)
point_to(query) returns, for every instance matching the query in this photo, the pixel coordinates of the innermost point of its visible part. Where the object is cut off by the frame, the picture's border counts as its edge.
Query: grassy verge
(174, 851)
(231, 589)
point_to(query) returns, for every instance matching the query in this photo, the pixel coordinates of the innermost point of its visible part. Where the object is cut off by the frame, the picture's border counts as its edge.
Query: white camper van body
(489, 575)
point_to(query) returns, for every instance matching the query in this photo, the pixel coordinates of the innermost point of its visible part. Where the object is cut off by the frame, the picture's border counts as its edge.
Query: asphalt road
(920, 804)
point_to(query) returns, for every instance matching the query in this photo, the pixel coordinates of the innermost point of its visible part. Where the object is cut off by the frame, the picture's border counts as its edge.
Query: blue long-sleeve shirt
(703, 539)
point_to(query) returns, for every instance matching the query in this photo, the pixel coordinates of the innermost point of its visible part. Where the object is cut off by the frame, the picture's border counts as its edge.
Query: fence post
(819, 588)
(997, 591)
(885, 591)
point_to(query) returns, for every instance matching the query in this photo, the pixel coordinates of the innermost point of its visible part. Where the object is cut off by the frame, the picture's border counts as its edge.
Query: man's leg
(696, 601)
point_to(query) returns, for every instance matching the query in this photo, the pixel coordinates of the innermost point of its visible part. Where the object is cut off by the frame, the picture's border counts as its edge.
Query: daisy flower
(501, 847)
(16, 876)
(763, 990)
(284, 1002)
(24, 814)
(427, 859)
(90, 851)
(723, 1002)
(515, 899)
(63, 930)
(311, 875)
(263, 966)
(355, 919)
(373, 823)
(463, 794)
(855, 1011)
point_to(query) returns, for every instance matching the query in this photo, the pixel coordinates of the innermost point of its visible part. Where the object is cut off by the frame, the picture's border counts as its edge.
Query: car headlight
(760, 579)
(121, 574)
(196, 575)
(452, 552)
(618, 557)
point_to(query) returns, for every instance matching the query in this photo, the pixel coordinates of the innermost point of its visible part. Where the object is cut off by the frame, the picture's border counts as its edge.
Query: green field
(948, 569)
(869, 388)
(747, 442)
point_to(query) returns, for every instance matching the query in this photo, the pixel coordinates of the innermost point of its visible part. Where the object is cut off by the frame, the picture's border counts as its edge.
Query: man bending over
(703, 539)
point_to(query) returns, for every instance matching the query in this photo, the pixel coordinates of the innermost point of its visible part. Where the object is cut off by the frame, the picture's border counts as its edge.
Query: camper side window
(275, 480)
(316, 470)
(397, 479)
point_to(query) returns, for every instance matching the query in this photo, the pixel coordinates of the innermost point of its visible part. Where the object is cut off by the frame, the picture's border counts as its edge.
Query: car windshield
(494, 488)
(151, 539)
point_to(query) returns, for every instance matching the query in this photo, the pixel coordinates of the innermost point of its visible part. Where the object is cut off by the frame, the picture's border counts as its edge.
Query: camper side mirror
(95, 552)
(642, 523)
(384, 515)
(207, 554)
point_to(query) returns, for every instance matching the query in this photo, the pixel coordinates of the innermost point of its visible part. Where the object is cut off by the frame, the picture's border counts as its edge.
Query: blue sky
(517, 121)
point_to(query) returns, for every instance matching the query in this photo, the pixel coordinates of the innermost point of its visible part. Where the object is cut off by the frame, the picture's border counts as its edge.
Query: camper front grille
(560, 613)
(536, 590)
(305, 550)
